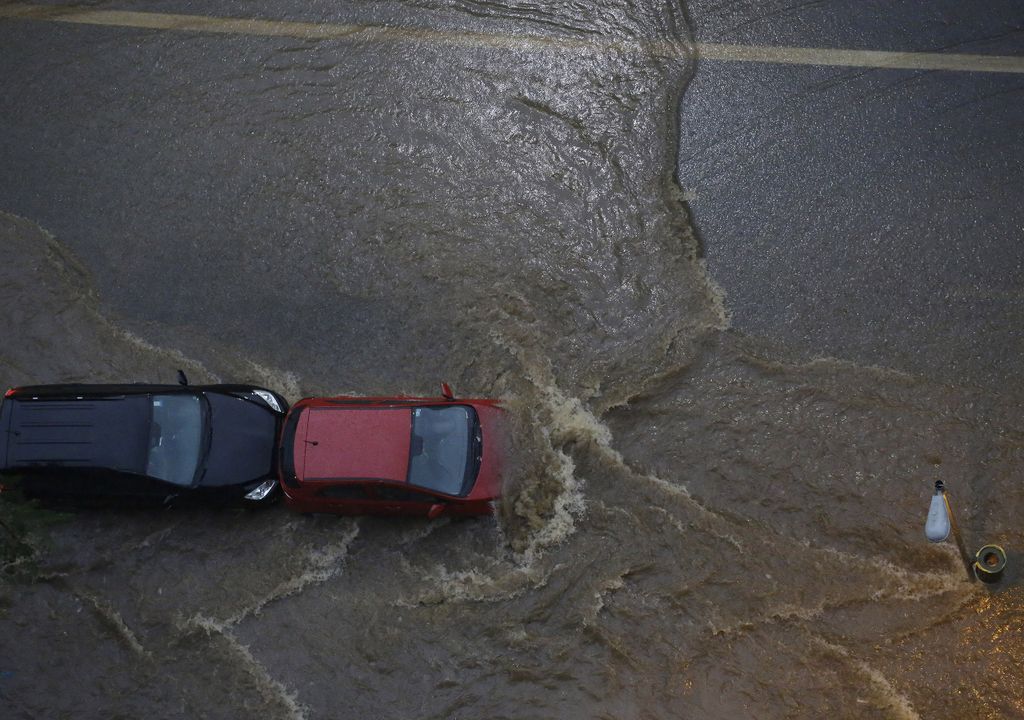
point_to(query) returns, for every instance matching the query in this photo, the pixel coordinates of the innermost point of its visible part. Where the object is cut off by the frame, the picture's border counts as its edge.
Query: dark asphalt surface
(870, 215)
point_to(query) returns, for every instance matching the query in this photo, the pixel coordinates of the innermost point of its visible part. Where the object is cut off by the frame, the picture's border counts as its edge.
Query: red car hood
(353, 443)
(493, 425)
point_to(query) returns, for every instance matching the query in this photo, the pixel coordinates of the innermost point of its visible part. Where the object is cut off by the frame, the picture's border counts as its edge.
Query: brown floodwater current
(696, 524)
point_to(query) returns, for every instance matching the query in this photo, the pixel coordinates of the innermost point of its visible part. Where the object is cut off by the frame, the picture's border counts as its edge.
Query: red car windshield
(445, 451)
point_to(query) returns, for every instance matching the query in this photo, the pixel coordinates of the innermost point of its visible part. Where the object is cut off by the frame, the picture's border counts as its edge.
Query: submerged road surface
(684, 245)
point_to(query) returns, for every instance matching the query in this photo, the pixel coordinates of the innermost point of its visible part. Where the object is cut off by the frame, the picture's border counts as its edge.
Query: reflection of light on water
(993, 636)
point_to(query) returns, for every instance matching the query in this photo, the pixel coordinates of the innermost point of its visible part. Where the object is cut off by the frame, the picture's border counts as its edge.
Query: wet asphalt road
(871, 215)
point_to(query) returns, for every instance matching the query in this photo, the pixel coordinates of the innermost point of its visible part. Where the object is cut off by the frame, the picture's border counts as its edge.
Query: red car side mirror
(436, 511)
(446, 391)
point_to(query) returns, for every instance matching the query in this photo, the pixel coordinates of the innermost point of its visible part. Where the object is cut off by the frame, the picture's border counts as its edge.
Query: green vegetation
(23, 531)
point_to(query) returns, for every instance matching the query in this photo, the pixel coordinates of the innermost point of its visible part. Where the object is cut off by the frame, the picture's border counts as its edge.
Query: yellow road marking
(863, 58)
(333, 31)
(290, 28)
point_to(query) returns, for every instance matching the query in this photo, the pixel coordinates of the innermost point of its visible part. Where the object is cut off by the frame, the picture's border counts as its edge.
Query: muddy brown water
(695, 525)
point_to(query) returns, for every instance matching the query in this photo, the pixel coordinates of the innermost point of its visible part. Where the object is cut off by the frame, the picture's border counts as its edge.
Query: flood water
(696, 524)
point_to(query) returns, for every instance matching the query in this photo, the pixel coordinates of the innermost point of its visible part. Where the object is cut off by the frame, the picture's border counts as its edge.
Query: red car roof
(353, 443)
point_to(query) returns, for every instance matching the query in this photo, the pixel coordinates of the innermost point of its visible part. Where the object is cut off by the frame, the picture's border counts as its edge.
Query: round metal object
(989, 563)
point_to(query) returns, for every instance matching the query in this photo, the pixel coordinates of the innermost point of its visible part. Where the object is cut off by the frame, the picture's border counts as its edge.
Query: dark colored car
(393, 455)
(213, 443)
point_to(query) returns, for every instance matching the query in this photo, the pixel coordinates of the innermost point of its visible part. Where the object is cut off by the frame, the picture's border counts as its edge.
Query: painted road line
(298, 29)
(954, 62)
(862, 58)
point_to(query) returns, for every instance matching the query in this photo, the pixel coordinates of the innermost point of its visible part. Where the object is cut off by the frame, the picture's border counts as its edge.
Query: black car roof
(73, 390)
(105, 430)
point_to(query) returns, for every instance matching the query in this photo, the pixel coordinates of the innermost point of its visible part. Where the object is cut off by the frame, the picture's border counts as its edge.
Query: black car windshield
(440, 456)
(175, 438)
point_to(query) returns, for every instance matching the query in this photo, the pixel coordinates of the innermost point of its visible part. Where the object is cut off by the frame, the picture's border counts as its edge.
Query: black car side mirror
(182, 380)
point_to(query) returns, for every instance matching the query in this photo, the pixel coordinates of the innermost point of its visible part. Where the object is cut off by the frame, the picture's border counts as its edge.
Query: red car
(393, 455)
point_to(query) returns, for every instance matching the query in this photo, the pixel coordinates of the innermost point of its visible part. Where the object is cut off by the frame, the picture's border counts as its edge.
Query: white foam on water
(243, 369)
(830, 363)
(429, 528)
(202, 622)
(686, 531)
(321, 564)
(567, 508)
(474, 586)
(112, 619)
(560, 420)
(895, 583)
(568, 418)
(608, 587)
(908, 584)
(717, 295)
(271, 690)
(571, 420)
(781, 613)
(890, 698)
(565, 420)
(177, 357)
